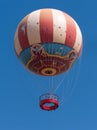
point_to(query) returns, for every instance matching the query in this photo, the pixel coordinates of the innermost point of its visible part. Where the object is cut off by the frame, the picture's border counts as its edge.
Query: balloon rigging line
(76, 78)
(61, 82)
(69, 92)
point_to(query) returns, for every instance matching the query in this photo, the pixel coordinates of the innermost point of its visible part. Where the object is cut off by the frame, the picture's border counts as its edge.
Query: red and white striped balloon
(48, 25)
(60, 27)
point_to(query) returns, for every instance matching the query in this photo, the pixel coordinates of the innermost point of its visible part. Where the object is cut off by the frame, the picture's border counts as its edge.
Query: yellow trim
(43, 71)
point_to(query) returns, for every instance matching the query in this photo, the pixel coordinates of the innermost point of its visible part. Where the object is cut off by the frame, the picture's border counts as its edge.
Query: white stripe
(17, 46)
(78, 41)
(33, 31)
(59, 26)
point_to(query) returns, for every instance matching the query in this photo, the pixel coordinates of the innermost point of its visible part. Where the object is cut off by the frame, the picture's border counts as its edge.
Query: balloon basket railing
(49, 101)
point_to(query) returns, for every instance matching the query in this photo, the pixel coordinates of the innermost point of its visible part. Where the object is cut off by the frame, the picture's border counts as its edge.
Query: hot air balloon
(48, 42)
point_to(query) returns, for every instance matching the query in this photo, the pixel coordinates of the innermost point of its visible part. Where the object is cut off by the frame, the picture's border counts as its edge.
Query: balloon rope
(76, 78)
(52, 67)
(61, 82)
(71, 84)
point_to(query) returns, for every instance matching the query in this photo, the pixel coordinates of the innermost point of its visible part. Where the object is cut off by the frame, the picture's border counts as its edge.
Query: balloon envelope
(48, 41)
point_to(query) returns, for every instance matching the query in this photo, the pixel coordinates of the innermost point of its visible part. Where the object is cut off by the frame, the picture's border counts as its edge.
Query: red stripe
(70, 31)
(46, 25)
(22, 34)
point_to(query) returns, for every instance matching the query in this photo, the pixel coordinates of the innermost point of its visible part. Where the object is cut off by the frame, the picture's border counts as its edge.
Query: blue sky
(19, 89)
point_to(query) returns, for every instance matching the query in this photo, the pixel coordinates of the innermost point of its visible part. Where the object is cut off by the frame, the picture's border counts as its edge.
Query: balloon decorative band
(48, 58)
